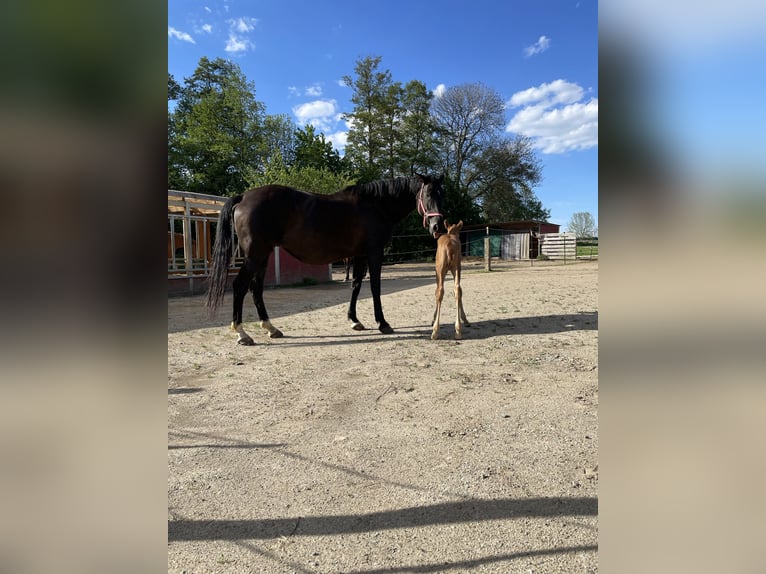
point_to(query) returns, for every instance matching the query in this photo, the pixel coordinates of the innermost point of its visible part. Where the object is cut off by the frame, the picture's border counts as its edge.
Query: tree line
(221, 141)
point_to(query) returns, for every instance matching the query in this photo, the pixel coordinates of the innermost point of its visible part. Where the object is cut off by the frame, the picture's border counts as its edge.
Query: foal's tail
(221, 257)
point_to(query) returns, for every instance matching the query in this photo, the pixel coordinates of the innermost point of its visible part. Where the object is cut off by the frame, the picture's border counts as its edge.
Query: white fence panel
(558, 245)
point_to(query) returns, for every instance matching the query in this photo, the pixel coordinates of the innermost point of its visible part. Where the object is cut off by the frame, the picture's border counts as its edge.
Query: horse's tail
(221, 256)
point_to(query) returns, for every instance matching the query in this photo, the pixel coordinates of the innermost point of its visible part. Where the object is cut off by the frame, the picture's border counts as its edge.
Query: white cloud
(338, 140)
(238, 44)
(208, 10)
(555, 118)
(322, 114)
(177, 34)
(439, 90)
(342, 83)
(542, 44)
(242, 25)
(238, 28)
(557, 92)
(325, 117)
(207, 28)
(314, 91)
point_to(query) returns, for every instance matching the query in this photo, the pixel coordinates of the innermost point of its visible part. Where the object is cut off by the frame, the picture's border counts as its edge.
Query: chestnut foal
(448, 259)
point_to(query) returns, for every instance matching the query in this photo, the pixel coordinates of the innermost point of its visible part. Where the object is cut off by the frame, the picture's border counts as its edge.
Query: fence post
(487, 256)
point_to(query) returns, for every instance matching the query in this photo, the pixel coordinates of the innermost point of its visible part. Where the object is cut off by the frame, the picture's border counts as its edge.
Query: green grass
(587, 250)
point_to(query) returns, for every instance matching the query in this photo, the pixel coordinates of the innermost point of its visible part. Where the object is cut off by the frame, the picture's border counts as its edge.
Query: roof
(199, 203)
(522, 225)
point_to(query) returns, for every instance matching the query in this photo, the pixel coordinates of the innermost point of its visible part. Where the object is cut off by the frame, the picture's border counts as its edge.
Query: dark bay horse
(356, 222)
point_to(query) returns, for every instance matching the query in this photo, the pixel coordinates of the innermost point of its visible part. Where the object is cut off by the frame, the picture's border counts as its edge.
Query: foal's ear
(459, 225)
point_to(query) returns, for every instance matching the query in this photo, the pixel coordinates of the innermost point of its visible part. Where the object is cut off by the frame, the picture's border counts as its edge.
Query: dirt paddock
(332, 450)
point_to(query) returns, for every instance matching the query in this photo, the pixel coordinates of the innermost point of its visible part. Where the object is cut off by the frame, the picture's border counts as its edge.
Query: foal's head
(453, 229)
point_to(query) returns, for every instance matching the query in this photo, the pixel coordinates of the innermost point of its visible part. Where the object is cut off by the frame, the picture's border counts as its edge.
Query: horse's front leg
(376, 264)
(360, 270)
(437, 312)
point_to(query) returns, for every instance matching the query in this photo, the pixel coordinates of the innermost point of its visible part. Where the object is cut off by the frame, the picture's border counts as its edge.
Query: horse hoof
(458, 336)
(466, 324)
(386, 330)
(276, 334)
(434, 336)
(357, 327)
(247, 341)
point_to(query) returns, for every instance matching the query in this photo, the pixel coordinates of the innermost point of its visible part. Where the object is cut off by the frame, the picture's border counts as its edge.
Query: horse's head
(430, 201)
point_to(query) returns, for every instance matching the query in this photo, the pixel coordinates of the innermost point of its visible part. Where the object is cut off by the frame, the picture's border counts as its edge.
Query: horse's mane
(381, 188)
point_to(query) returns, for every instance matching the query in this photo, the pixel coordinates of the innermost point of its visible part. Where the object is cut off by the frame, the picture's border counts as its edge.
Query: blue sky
(540, 56)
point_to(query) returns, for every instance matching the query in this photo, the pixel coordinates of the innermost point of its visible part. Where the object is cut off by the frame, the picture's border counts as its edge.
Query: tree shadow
(225, 442)
(474, 510)
(283, 302)
(463, 565)
(544, 324)
(184, 390)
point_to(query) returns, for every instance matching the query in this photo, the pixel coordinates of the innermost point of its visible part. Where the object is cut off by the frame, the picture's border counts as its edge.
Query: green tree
(175, 181)
(582, 225)
(306, 178)
(279, 136)
(174, 89)
(314, 151)
(504, 176)
(218, 130)
(366, 136)
(418, 152)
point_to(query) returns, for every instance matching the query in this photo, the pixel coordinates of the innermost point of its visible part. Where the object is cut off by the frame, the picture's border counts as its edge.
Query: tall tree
(279, 136)
(366, 140)
(582, 225)
(417, 131)
(468, 117)
(504, 176)
(314, 151)
(218, 129)
(391, 117)
(175, 163)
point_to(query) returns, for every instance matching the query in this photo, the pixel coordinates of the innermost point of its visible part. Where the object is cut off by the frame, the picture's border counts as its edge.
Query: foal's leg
(240, 285)
(458, 302)
(376, 264)
(440, 273)
(360, 270)
(257, 289)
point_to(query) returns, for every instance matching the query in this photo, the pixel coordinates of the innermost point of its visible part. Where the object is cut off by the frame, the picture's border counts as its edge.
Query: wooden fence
(192, 222)
(559, 246)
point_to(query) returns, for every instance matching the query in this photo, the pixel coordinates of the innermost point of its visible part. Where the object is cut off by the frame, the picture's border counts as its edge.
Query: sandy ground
(332, 450)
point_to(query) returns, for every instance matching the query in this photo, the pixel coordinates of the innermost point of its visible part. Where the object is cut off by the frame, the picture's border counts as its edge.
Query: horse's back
(314, 228)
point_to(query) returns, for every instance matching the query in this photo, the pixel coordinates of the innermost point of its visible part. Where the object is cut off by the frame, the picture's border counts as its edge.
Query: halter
(422, 208)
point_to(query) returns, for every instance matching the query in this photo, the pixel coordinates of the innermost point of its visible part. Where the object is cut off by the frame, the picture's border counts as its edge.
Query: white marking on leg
(242, 338)
(274, 333)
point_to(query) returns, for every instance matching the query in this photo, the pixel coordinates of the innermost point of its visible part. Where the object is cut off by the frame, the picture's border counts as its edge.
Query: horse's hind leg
(458, 305)
(257, 289)
(240, 286)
